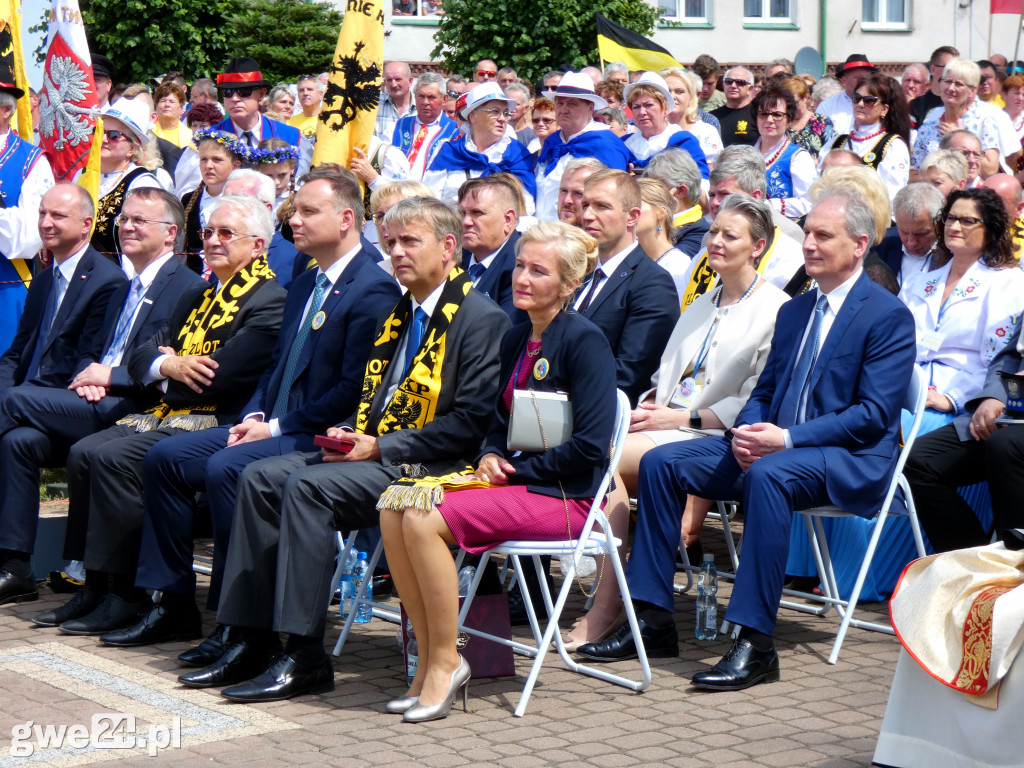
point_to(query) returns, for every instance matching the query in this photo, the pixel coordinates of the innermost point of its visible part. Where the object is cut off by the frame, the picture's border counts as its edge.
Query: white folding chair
(364, 595)
(914, 401)
(590, 542)
(723, 513)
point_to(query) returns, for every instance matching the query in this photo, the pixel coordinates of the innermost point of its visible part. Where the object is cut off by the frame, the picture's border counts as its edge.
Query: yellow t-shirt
(180, 136)
(306, 125)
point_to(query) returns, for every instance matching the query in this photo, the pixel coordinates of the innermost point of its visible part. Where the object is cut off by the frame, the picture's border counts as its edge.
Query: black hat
(242, 72)
(7, 83)
(103, 67)
(854, 61)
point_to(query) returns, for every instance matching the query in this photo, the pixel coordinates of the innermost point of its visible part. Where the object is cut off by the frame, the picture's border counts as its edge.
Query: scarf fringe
(142, 422)
(189, 422)
(424, 497)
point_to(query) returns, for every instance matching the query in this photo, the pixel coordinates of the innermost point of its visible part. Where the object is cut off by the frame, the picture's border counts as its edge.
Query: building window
(415, 8)
(885, 14)
(769, 11)
(694, 11)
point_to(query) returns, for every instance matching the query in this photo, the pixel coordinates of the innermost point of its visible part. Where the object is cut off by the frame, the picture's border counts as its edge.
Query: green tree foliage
(288, 38)
(533, 36)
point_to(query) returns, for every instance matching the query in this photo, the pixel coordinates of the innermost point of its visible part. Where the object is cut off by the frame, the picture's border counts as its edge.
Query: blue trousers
(771, 489)
(173, 472)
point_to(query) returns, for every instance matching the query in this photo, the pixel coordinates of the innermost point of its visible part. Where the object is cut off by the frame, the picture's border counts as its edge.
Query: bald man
(1012, 195)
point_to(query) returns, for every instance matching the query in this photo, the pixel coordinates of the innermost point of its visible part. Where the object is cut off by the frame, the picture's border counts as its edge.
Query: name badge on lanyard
(687, 392)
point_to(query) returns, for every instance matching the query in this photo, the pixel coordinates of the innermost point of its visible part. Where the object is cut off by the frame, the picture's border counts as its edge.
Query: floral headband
(259, 156)
(231, 143)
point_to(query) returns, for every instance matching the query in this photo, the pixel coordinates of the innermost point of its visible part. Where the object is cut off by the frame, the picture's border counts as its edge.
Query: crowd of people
(758, 269)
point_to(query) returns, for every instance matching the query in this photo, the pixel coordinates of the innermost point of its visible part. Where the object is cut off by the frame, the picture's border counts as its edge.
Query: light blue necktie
(790, 408)
(281, 403)
(124, 322)
(52, 304)
(412, 344)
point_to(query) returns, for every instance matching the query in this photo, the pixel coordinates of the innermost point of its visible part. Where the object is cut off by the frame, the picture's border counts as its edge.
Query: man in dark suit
(821, 426)
(907, 247)
(490, 208)
(38, 425)
(207, 362)
(972, 449)
(315, 374)
(429, 389)
(65, 312)
(628, 296)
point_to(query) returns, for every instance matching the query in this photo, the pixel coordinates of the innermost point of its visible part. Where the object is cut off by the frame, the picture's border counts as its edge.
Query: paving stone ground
(816, 715)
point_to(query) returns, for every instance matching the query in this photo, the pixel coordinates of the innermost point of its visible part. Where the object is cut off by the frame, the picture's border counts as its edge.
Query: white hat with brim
(576, 85)
(132, 114)
(483, 93)
(651, 80)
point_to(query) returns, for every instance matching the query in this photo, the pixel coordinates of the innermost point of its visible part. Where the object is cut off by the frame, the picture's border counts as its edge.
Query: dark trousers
(771, 489)
(282, 551)
(173, 472)
(940, 463)
(38, 426)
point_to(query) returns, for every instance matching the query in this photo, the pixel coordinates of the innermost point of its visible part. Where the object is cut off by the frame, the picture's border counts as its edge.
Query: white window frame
(707, 18)
(883, 8)
(766, 19)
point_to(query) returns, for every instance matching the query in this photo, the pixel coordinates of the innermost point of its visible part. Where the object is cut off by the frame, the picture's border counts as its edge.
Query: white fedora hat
(576, 85)
(651, 80)
(133, 114)
(486, 92)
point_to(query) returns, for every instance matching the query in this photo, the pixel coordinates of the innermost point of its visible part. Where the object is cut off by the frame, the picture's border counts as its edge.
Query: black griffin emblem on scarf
(360, 91)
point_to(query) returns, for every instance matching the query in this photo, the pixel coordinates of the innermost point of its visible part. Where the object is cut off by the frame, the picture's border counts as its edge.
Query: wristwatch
(695, 421)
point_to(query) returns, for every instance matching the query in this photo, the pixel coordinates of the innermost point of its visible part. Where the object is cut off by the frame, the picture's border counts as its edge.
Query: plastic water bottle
(466, 579)
(359, 575)
(345, 588)
(707, 603)
(412, 650)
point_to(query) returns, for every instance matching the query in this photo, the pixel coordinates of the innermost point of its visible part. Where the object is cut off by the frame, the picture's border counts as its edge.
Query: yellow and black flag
(616, 43)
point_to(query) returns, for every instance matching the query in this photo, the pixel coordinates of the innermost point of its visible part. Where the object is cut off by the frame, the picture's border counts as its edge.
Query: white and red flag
(68, 100)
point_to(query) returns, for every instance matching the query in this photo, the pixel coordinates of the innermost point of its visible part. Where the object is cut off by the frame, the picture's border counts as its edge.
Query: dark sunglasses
(244, 92)
(486, 73)
(453, 94)
(115, 135)
(867, 100)
(733, 81)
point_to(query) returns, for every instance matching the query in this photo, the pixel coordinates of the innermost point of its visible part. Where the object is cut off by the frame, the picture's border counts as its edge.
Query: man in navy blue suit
(490, 208)
(39, 424)
(65, 311)
(316, 374)
(821, 426)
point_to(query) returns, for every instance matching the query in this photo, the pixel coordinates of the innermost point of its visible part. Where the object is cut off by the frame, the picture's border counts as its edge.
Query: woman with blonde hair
(534, 495)
(686, 115)
(656, 234)
(650, 100)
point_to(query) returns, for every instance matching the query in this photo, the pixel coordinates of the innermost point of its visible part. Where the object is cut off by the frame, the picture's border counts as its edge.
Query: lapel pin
(318, 320)
(540, 370)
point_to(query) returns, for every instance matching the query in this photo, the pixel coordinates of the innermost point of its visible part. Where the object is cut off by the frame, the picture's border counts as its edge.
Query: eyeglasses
(954, 84)
(138, 221)
(969, 153)
(773, 115)
(495, 112)
(243, 93)
(117, 135)
(453, 94)
(542, 120)
(986, 78)
(732, 81)
(224, 234)
(965, 222)
(486, 73)
(865, 99)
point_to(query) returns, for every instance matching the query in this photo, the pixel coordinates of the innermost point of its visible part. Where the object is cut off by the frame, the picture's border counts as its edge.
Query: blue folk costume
(517, 160)
(16, 162)
(604, 145)
(270, 129)
(405, 132)
(779, 175)
(679, 140)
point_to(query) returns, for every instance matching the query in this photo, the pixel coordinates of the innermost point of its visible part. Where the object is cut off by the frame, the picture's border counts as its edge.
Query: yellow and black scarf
(415, 400)
(207, 326)
(703, 278)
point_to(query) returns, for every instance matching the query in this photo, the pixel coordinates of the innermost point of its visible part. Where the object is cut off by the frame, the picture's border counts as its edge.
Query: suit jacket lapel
(75, 287)
(851, 306)
(146, 305)
(617, 278)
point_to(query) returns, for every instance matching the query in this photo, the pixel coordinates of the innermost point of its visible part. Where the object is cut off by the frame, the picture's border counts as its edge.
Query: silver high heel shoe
(420, 713)
(402, 704)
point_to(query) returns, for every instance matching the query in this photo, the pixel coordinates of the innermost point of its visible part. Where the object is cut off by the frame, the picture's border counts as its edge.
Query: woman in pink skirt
(544, 495)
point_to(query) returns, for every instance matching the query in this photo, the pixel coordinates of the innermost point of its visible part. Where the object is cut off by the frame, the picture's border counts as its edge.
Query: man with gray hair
(311, 95)
(396, 102)
(820, 427)
(908, 249)
(421, 135)
(775, 66)
(681, 175)
(281, 252)
(914, 80)
(617, 72)
(736, 119)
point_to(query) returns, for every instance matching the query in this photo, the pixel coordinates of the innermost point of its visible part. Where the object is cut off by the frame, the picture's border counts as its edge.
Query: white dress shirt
(608, 268)
(19, 221)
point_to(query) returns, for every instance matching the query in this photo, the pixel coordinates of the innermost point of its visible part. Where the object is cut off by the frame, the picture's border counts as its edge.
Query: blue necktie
(412, 344)
(795, 392)
(124, 322)
(281, 403)
(476, 271)
(52, 303)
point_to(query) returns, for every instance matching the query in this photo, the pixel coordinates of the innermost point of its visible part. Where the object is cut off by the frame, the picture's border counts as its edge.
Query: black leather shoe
(240, 662)
(285, 678)
(660, 643)
(81, 604)
(517, 606)
(212, 648)
(111, 613)
(17, 589)
(383, 586)
(161, 624)
(742, 667)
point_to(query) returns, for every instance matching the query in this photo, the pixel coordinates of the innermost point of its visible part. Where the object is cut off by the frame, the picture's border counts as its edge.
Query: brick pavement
(817, 715)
